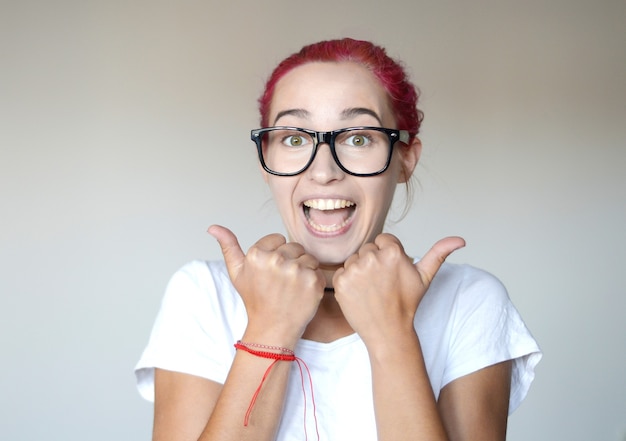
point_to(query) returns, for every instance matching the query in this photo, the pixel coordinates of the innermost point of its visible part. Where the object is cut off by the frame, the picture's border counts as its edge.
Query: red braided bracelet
(265, 354)
(246, 346)
(284, 355)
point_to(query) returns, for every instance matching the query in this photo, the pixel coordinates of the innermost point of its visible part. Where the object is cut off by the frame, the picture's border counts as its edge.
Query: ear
(409, 157)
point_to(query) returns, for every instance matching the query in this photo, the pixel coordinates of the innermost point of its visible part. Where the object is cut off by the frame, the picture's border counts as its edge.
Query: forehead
(326, 89)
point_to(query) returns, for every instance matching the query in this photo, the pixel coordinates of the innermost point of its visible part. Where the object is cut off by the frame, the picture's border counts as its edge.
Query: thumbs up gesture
(280, 285)
(379, 288)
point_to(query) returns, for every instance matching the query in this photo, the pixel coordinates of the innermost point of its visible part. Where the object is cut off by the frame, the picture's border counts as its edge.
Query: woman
(334, 332)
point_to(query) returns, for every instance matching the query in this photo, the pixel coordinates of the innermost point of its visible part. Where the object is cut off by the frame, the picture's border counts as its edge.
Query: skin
(282, 282)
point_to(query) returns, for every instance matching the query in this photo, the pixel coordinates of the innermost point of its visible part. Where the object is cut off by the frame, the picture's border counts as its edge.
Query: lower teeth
(327, 228)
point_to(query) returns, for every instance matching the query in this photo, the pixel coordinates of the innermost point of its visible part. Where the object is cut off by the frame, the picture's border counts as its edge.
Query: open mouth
(328, 215)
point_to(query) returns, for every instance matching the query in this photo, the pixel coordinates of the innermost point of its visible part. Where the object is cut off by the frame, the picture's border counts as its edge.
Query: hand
(281, 286)
(379, 288)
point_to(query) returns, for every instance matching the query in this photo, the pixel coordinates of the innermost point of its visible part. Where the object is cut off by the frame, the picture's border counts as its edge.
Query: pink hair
(402, 93)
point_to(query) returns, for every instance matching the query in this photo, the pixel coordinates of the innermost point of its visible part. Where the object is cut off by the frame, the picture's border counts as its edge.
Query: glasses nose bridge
(323, 138)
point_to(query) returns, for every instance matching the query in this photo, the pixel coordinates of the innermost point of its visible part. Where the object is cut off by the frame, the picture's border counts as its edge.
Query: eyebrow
(356, 111)
(345, 114)
(300, 113)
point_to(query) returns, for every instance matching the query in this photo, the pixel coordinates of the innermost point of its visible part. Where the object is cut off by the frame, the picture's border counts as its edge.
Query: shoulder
(200, 272)
(199, 276)
(462, 283)
(464, 301)
(201, 315)
(465, 275)
(461, 297)
(198, 287)
(468, 319)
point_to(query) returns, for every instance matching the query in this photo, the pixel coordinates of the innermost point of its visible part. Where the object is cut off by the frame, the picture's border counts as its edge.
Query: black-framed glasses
(358, 151)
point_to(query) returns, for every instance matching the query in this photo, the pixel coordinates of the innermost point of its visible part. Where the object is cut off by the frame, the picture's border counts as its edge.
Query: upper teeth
(328, 204)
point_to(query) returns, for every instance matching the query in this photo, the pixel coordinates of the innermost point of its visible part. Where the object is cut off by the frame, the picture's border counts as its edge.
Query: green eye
(294, 141)
(357, 141)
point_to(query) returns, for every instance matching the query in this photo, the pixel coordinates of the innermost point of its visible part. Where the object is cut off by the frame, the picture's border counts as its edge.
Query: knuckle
(276, 259)
(253, 253)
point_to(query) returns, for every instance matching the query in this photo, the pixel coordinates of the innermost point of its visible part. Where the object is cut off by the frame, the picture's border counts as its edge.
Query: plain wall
(124, 133)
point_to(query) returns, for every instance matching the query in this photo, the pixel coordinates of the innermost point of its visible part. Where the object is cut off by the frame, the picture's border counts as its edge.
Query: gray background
(124, 134)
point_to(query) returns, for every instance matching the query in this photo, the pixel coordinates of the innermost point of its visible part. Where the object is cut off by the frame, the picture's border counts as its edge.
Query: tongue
(329, 217)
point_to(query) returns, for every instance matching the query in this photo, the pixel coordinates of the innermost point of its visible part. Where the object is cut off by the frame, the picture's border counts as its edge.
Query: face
(331, 213)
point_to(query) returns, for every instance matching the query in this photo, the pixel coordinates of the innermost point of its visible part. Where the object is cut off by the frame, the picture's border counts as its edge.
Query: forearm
(192, 408)
(404, 402)
(229, 420)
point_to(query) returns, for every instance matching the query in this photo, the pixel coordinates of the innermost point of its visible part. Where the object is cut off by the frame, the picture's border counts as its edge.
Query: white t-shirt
(465, 322)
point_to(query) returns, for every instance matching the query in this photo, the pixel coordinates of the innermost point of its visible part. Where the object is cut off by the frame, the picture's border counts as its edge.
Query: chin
(330, 254)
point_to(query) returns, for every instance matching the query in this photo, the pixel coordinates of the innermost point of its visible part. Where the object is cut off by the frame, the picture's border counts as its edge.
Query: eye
(357, 141)
(295, 140)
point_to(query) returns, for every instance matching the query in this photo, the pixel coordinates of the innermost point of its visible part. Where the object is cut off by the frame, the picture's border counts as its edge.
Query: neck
(329, 272)
(329, 323)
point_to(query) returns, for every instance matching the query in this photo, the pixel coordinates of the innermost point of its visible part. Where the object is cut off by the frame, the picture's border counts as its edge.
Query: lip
(326, 203)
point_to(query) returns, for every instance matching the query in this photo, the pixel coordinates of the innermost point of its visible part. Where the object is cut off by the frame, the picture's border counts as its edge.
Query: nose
(324, 169)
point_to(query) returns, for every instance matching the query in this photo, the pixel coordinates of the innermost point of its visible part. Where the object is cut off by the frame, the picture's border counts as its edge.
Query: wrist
(392, 347)
(270, 338)
(258, 348)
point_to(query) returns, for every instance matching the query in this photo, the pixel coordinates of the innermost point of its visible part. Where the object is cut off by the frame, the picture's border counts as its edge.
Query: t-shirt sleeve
(192, 333)
(487, 329)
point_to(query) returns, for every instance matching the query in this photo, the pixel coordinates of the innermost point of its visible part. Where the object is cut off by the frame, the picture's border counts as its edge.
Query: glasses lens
(286, 151)
(363, 151)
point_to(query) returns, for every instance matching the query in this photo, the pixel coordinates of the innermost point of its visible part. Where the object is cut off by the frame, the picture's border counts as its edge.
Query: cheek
(382, 192)
(282, 192)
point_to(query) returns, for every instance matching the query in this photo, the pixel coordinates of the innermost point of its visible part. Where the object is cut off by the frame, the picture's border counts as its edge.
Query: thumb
(233, 255)
(434, 258)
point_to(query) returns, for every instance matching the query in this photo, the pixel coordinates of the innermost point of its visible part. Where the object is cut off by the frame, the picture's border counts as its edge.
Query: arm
(382, 311)
(183, 404)
(281, 288)
(190, 408)
(475, 407)
(404, 402)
